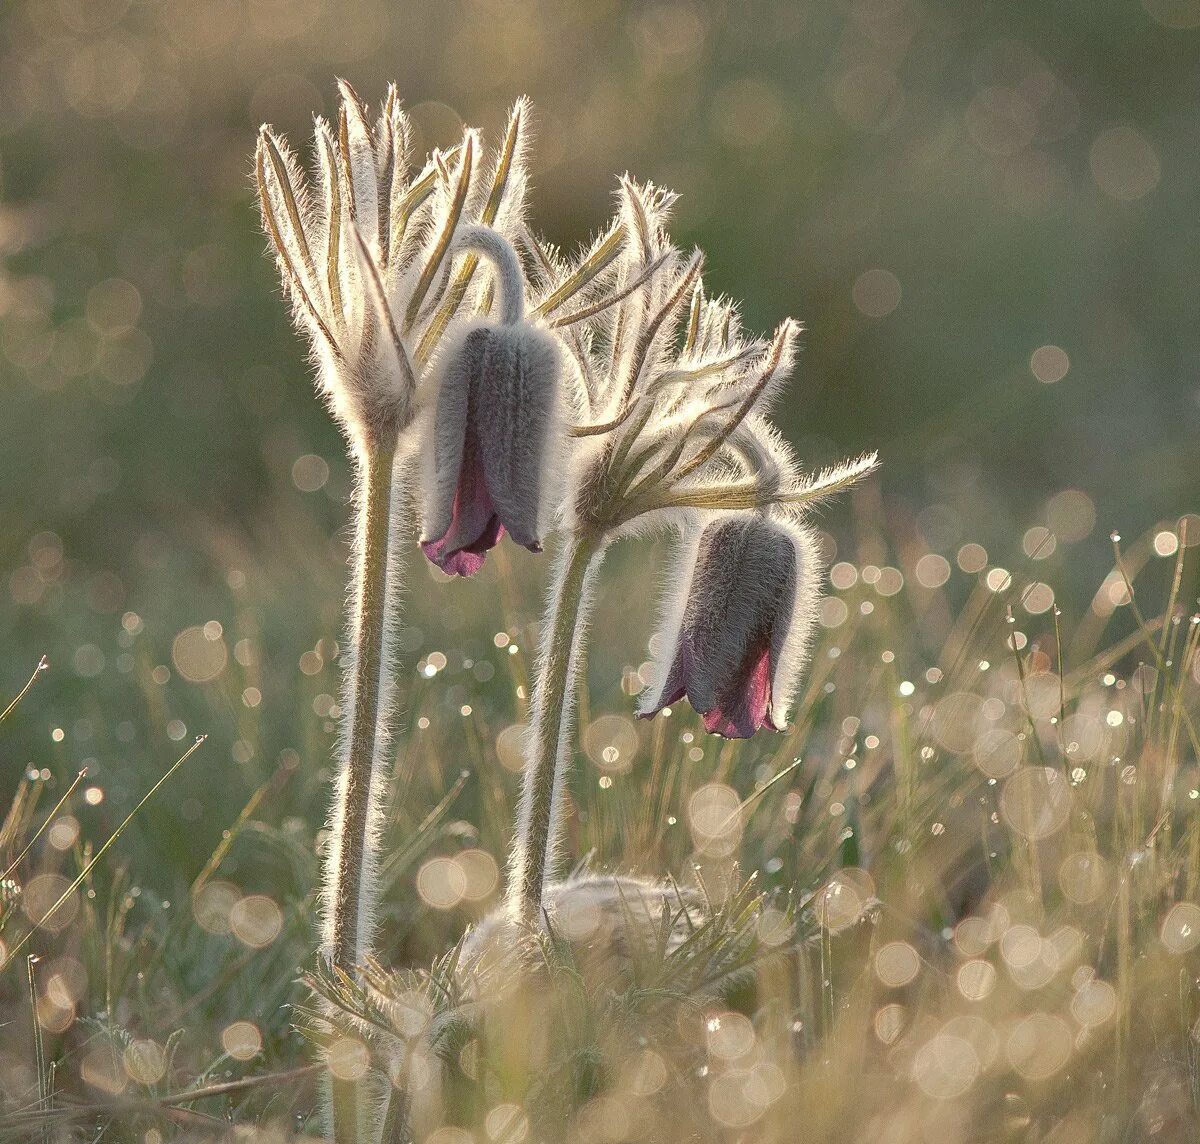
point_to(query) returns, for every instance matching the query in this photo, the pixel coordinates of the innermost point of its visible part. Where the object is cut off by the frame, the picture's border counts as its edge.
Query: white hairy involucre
(612, 919)
(669, 394)
(368, 254)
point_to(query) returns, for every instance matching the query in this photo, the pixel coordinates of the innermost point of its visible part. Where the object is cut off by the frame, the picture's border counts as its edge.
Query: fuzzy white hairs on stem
(503, 259)
(549, 742)
(338, 881)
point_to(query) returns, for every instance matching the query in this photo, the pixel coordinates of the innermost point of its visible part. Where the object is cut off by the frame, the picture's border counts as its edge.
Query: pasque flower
(669, 404)
(495, 426)
(368, 254)
(737, 626)
(372, 258)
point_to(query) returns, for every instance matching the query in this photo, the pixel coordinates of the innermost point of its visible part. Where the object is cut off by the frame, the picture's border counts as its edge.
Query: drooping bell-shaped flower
(736, 630)
(495, 426)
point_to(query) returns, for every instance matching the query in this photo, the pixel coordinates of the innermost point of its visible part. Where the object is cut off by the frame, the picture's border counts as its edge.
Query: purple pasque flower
(736, 630)
(495, 424)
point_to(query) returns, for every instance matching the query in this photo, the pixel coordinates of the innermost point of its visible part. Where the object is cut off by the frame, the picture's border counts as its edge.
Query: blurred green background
(985, 213)
(937, 190)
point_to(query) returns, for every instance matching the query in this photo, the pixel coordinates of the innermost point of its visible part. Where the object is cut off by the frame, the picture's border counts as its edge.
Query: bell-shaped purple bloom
(737, 631)
(496, 413)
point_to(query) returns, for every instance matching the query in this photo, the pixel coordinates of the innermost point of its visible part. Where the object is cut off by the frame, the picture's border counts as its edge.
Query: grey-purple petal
(495, 411)
(516, 370)
(735, 622)
(741, 598)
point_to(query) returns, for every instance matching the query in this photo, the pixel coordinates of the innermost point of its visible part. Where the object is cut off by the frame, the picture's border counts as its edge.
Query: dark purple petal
(744, 710)
(675, 686)
(474, 526)
(735, 621)
(464, 561)
(740, 587)
(496, 406)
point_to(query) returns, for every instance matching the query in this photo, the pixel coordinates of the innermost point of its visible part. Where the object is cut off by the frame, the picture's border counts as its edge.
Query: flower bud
(737, 631)
(613, 922)
(495, 421)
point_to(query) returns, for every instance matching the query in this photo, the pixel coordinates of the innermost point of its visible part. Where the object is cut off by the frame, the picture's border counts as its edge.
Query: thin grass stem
(45, 823)
(95, 859)
(42, 665)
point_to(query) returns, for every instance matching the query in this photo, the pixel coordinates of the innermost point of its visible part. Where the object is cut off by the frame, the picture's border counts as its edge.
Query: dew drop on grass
(1180, 931)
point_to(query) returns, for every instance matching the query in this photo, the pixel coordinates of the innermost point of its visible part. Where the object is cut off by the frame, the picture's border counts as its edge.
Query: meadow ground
(978, 849)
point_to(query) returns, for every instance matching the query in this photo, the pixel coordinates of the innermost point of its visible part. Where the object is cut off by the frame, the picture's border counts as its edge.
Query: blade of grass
(272, 785)
(93, 1109)
(91, 865)
(401, 858)
(756, 795)
(39, 1047)
(43, 663)
(41, 829)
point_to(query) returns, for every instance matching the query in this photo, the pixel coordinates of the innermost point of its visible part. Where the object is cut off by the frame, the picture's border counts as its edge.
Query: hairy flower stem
(552, 735)
(351, 862)
(347, 940)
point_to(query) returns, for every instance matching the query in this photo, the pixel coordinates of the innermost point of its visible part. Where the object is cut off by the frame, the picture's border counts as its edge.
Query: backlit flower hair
(670, 395)
(366, 249)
